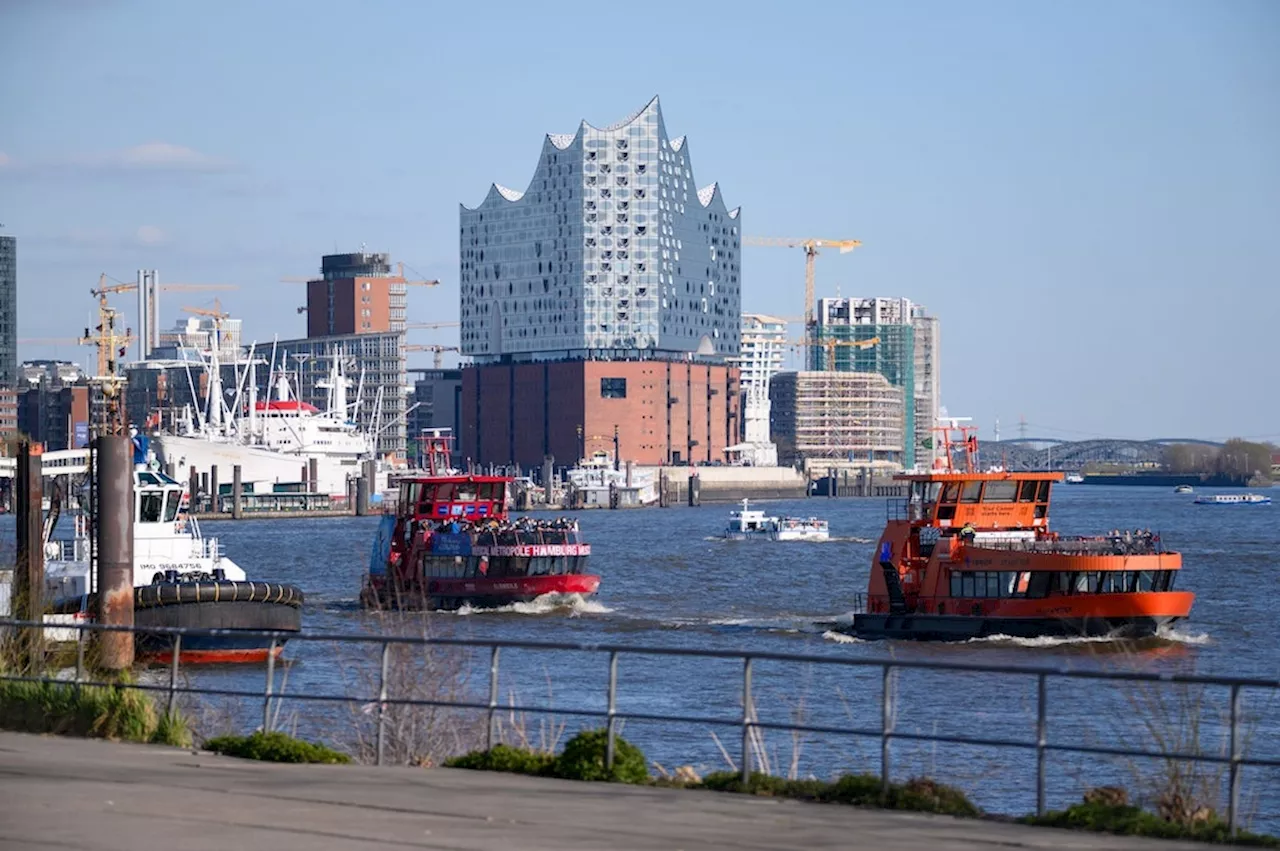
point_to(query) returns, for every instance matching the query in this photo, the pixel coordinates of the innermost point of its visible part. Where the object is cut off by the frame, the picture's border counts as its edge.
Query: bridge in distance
(1051, 453)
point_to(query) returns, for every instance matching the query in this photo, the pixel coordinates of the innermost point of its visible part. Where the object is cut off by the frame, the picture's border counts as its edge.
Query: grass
(583, 758)
(107, 712)
(859, 790)
(275, 747)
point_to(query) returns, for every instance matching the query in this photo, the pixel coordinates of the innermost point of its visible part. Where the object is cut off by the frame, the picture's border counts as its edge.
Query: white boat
(597, 481)
(180, 577)
(1183, 489)
(748, 523)
(272, 441)
(1074, 479)
(1233, 499)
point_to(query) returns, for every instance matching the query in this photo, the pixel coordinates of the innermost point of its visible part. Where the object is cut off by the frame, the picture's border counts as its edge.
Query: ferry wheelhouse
(970, 554)
(451, 543)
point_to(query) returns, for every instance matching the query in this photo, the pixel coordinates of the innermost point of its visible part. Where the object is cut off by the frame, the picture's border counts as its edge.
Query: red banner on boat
(534, 550)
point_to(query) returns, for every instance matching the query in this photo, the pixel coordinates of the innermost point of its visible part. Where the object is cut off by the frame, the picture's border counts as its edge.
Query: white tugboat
(181, 579)
(748, 523)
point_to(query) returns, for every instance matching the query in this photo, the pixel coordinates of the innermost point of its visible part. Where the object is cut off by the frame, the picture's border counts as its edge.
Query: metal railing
(1235, 760)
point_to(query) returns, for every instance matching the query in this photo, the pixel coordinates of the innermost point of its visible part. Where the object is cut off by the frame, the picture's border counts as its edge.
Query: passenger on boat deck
(967, 533)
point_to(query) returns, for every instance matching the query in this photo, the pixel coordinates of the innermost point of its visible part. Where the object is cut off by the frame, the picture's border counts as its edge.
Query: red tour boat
(451, 542)
(970, 554)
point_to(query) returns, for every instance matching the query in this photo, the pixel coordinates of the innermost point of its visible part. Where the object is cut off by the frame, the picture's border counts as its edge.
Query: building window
(613, 388)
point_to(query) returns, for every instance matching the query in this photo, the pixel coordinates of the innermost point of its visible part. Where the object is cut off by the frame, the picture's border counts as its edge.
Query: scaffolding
(858, 418)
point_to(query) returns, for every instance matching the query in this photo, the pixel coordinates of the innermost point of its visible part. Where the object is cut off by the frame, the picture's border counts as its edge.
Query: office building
(194, 337)
(355, 294)
(841, 322)
(764, 341)
(845, 419)
(611, 255)
(55, 405)
(928, 383)
(434, 402)
(8, 311)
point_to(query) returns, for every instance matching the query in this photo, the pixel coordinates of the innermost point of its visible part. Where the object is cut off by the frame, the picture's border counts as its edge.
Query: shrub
(506, 758)
(920, 794)
(1128, 820)
(584, 759)
(274, 747)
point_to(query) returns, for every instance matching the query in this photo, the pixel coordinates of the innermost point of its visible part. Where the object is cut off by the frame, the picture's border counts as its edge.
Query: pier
(142, 797)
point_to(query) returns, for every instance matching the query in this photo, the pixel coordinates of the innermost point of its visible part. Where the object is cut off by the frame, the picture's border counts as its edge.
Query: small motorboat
(1233, 499)
(1184, 489)
(748, 523)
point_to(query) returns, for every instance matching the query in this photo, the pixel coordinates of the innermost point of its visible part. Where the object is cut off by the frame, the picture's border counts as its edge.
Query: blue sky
(1087, 193)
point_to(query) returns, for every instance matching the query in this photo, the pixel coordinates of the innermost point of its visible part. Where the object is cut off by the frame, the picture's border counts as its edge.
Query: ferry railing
(1235, 760)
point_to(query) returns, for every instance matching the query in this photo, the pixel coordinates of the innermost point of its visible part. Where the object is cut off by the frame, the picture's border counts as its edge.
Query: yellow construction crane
(216, 314)
(428, 347)
(810, 247)
(104, 289)
(112, 347)
(830, 345)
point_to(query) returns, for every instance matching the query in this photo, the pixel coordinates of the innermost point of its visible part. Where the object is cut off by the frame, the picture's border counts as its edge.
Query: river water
(667, 581)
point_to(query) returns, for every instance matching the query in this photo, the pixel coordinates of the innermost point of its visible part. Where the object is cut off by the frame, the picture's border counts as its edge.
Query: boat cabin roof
(439, 497)
(992, 476)
(985, 501)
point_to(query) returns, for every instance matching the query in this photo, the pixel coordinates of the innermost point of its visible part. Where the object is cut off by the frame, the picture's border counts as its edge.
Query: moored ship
(452, 543)
(970, 555)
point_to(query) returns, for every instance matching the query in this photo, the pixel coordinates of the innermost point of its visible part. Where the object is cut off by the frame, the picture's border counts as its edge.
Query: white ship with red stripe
(451, 543)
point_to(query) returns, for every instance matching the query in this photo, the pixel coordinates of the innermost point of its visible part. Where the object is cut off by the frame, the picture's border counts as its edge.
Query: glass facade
(8, 311)
(611, 252)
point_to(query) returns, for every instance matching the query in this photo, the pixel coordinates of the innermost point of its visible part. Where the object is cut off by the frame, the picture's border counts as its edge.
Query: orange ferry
(969, 554)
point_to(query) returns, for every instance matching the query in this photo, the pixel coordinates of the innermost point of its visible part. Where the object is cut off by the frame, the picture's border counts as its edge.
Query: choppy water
(667, 581)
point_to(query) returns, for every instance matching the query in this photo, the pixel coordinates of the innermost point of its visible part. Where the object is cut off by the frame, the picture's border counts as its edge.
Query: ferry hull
(448, 594)
(967, 627)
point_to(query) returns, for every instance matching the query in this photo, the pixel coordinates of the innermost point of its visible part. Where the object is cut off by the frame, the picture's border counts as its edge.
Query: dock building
(605, 296)
(849, 418)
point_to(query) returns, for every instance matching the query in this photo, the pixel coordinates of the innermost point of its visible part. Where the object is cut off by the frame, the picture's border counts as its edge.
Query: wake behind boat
(749, 524)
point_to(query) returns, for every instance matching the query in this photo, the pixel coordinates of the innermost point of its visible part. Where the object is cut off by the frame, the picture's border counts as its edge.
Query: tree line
(1237, 457)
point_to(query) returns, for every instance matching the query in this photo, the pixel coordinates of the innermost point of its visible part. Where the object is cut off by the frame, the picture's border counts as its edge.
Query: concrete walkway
(88, 795)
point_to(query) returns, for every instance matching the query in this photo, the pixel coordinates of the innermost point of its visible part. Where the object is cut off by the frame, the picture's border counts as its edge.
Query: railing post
(613, 707)
(886, 726)
(271, 680)
(173, 674)
(1042, 737)
(1233, 800)
(79, 657)
(382, 697)
(746, 720)
(493, 692)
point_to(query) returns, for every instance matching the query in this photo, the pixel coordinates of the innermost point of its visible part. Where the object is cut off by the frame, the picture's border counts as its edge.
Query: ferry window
(151, 508)
(1145, 580)
(171, 506)
(1167, 577)
(966, 585)
(486, 491)
(951, 493)
(956, 590)
(444, 493)
(1028, 492)
(1039, 583)
(1001, 492)
(613, 388)
(1043, 495)
(972, 490)
(993, 584)
(466, 493)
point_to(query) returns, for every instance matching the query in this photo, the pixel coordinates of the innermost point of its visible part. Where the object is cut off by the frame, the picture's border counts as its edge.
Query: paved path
(97, 796)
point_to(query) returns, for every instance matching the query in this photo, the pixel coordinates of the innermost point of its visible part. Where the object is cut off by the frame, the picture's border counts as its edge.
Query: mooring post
(28, 579)
(115, 549)
(548, 471)
(306, 483)
(362, 496)
(193, 487)
(695, 490)
(213, 490)
(313, 474)
(237, 494)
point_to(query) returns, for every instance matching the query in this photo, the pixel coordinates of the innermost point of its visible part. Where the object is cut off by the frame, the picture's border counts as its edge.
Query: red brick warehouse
(666, 412)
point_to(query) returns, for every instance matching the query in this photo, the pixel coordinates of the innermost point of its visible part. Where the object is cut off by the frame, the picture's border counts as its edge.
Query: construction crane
(810, 247)
(112, 347)
(430, 347)
(830, 345)
(411, 326)
(216, 314)
(151, 302)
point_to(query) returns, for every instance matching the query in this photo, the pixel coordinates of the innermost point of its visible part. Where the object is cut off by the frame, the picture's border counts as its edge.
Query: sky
(1087, 194)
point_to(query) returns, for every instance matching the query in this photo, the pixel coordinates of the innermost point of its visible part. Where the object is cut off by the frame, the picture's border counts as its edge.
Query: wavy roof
(563, 141)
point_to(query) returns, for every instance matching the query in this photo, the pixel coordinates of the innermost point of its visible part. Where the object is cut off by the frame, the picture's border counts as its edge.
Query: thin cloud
(147, 157)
